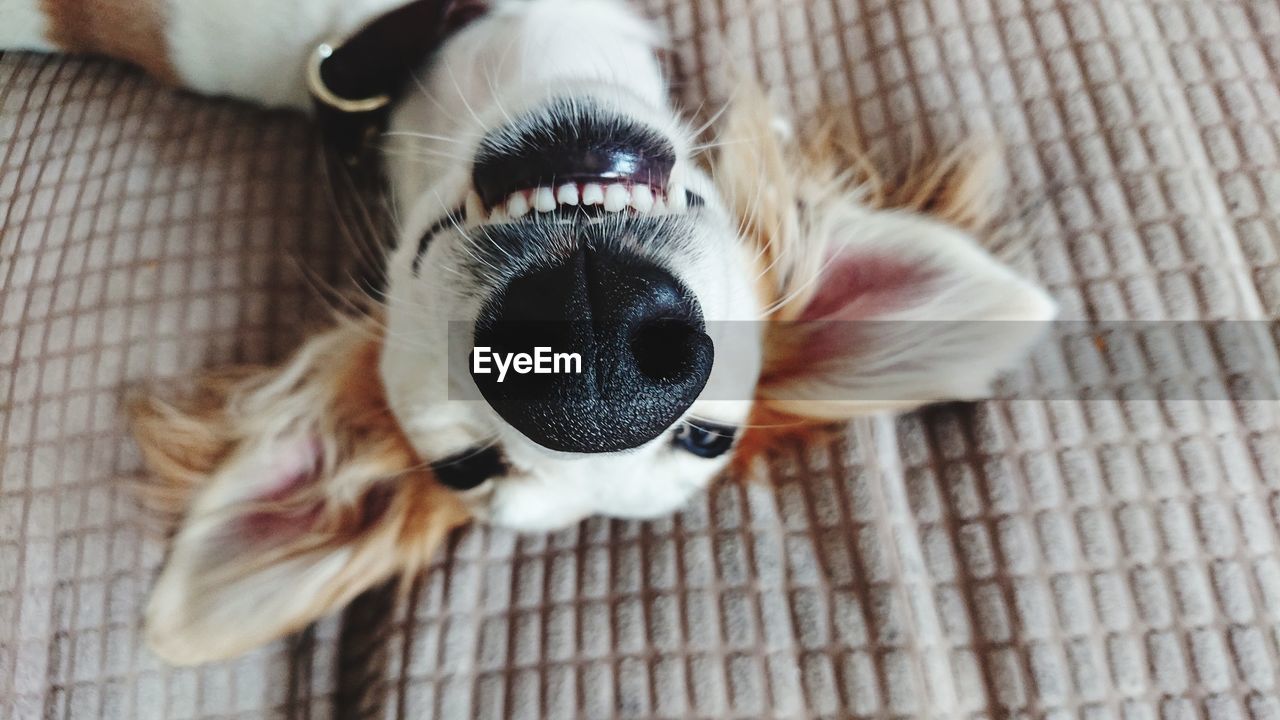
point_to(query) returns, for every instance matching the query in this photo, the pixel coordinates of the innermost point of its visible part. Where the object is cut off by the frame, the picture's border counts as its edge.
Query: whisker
(799, 289)
(364, 245)
(714, 424)
(421, 135)
(461, 95)
(703, 147)
(715, 117)
(421, 153)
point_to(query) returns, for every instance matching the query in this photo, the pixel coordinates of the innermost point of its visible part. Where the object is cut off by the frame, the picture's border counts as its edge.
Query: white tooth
(616, 198)
(677, 199)
(475, 209)
(498, 215)
(592, 194)
(642, 198)
(568, 194)
(659, 203)
(544, 200)
(517, 205)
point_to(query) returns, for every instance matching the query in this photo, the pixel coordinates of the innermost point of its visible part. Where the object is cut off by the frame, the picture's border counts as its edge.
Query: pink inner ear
(297, 466)
(861, 287)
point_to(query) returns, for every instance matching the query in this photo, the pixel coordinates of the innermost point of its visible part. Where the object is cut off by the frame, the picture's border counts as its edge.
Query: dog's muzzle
(576, 201)
(645, 355)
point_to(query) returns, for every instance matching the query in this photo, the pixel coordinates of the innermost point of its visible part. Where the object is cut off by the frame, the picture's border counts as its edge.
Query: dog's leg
(251, 49)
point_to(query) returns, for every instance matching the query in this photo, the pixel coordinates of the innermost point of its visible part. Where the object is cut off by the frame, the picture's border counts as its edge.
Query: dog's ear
(299, 491)
(878, 296)
(900, 311)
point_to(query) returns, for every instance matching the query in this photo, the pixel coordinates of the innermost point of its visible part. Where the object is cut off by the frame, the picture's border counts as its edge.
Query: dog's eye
(470, 469)
(705, 440)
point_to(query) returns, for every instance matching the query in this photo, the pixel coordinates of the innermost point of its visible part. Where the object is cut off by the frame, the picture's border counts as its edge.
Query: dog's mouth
(573, 157)
(612, 195)
(566, 202)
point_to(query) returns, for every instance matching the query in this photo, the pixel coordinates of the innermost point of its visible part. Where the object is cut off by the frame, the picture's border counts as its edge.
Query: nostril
(664, 350)
(644, 354)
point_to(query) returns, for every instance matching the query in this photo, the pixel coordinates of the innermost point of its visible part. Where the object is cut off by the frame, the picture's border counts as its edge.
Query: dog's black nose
(642, 353)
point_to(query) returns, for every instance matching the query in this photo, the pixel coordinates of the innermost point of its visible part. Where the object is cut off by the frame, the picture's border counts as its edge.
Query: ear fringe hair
(328, 390)
(787, 186)
(183, 436)
(351, 500)
(782, 189)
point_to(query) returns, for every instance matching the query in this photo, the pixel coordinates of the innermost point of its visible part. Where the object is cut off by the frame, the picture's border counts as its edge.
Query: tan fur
(184, 438)
(376, 501)
(132, 30)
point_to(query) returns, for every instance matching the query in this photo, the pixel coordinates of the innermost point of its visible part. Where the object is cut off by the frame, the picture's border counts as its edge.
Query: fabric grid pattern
(1025, 558)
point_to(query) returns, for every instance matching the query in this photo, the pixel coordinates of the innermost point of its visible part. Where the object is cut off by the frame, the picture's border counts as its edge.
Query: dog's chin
(524, 505)
(559, 493)
(505, 480)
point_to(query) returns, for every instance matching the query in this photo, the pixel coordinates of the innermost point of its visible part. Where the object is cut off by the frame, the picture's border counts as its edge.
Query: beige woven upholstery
(1022, 558)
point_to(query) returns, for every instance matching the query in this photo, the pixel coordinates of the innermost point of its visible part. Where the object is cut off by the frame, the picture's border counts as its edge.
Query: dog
(552, 197)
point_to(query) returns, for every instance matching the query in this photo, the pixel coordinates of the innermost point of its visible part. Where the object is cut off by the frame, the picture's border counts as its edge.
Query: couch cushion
(1039, 555)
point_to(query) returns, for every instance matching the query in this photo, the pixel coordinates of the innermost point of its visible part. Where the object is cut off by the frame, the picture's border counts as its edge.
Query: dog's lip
(582, 160)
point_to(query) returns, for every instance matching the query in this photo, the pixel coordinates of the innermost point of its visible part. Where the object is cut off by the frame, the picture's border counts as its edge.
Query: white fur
(23, 26)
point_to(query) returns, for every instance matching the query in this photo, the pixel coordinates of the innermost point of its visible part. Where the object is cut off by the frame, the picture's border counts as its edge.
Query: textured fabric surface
(1015, 558)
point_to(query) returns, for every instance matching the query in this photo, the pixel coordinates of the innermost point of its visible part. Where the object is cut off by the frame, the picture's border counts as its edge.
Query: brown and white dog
(550, 195)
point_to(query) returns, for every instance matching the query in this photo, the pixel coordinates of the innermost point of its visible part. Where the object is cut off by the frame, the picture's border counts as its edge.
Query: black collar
(353, 82)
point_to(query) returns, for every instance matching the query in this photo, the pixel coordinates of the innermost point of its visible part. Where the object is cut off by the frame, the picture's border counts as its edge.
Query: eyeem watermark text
(542, 362)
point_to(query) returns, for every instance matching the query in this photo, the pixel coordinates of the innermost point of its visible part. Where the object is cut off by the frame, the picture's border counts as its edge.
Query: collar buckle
(322, 93)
